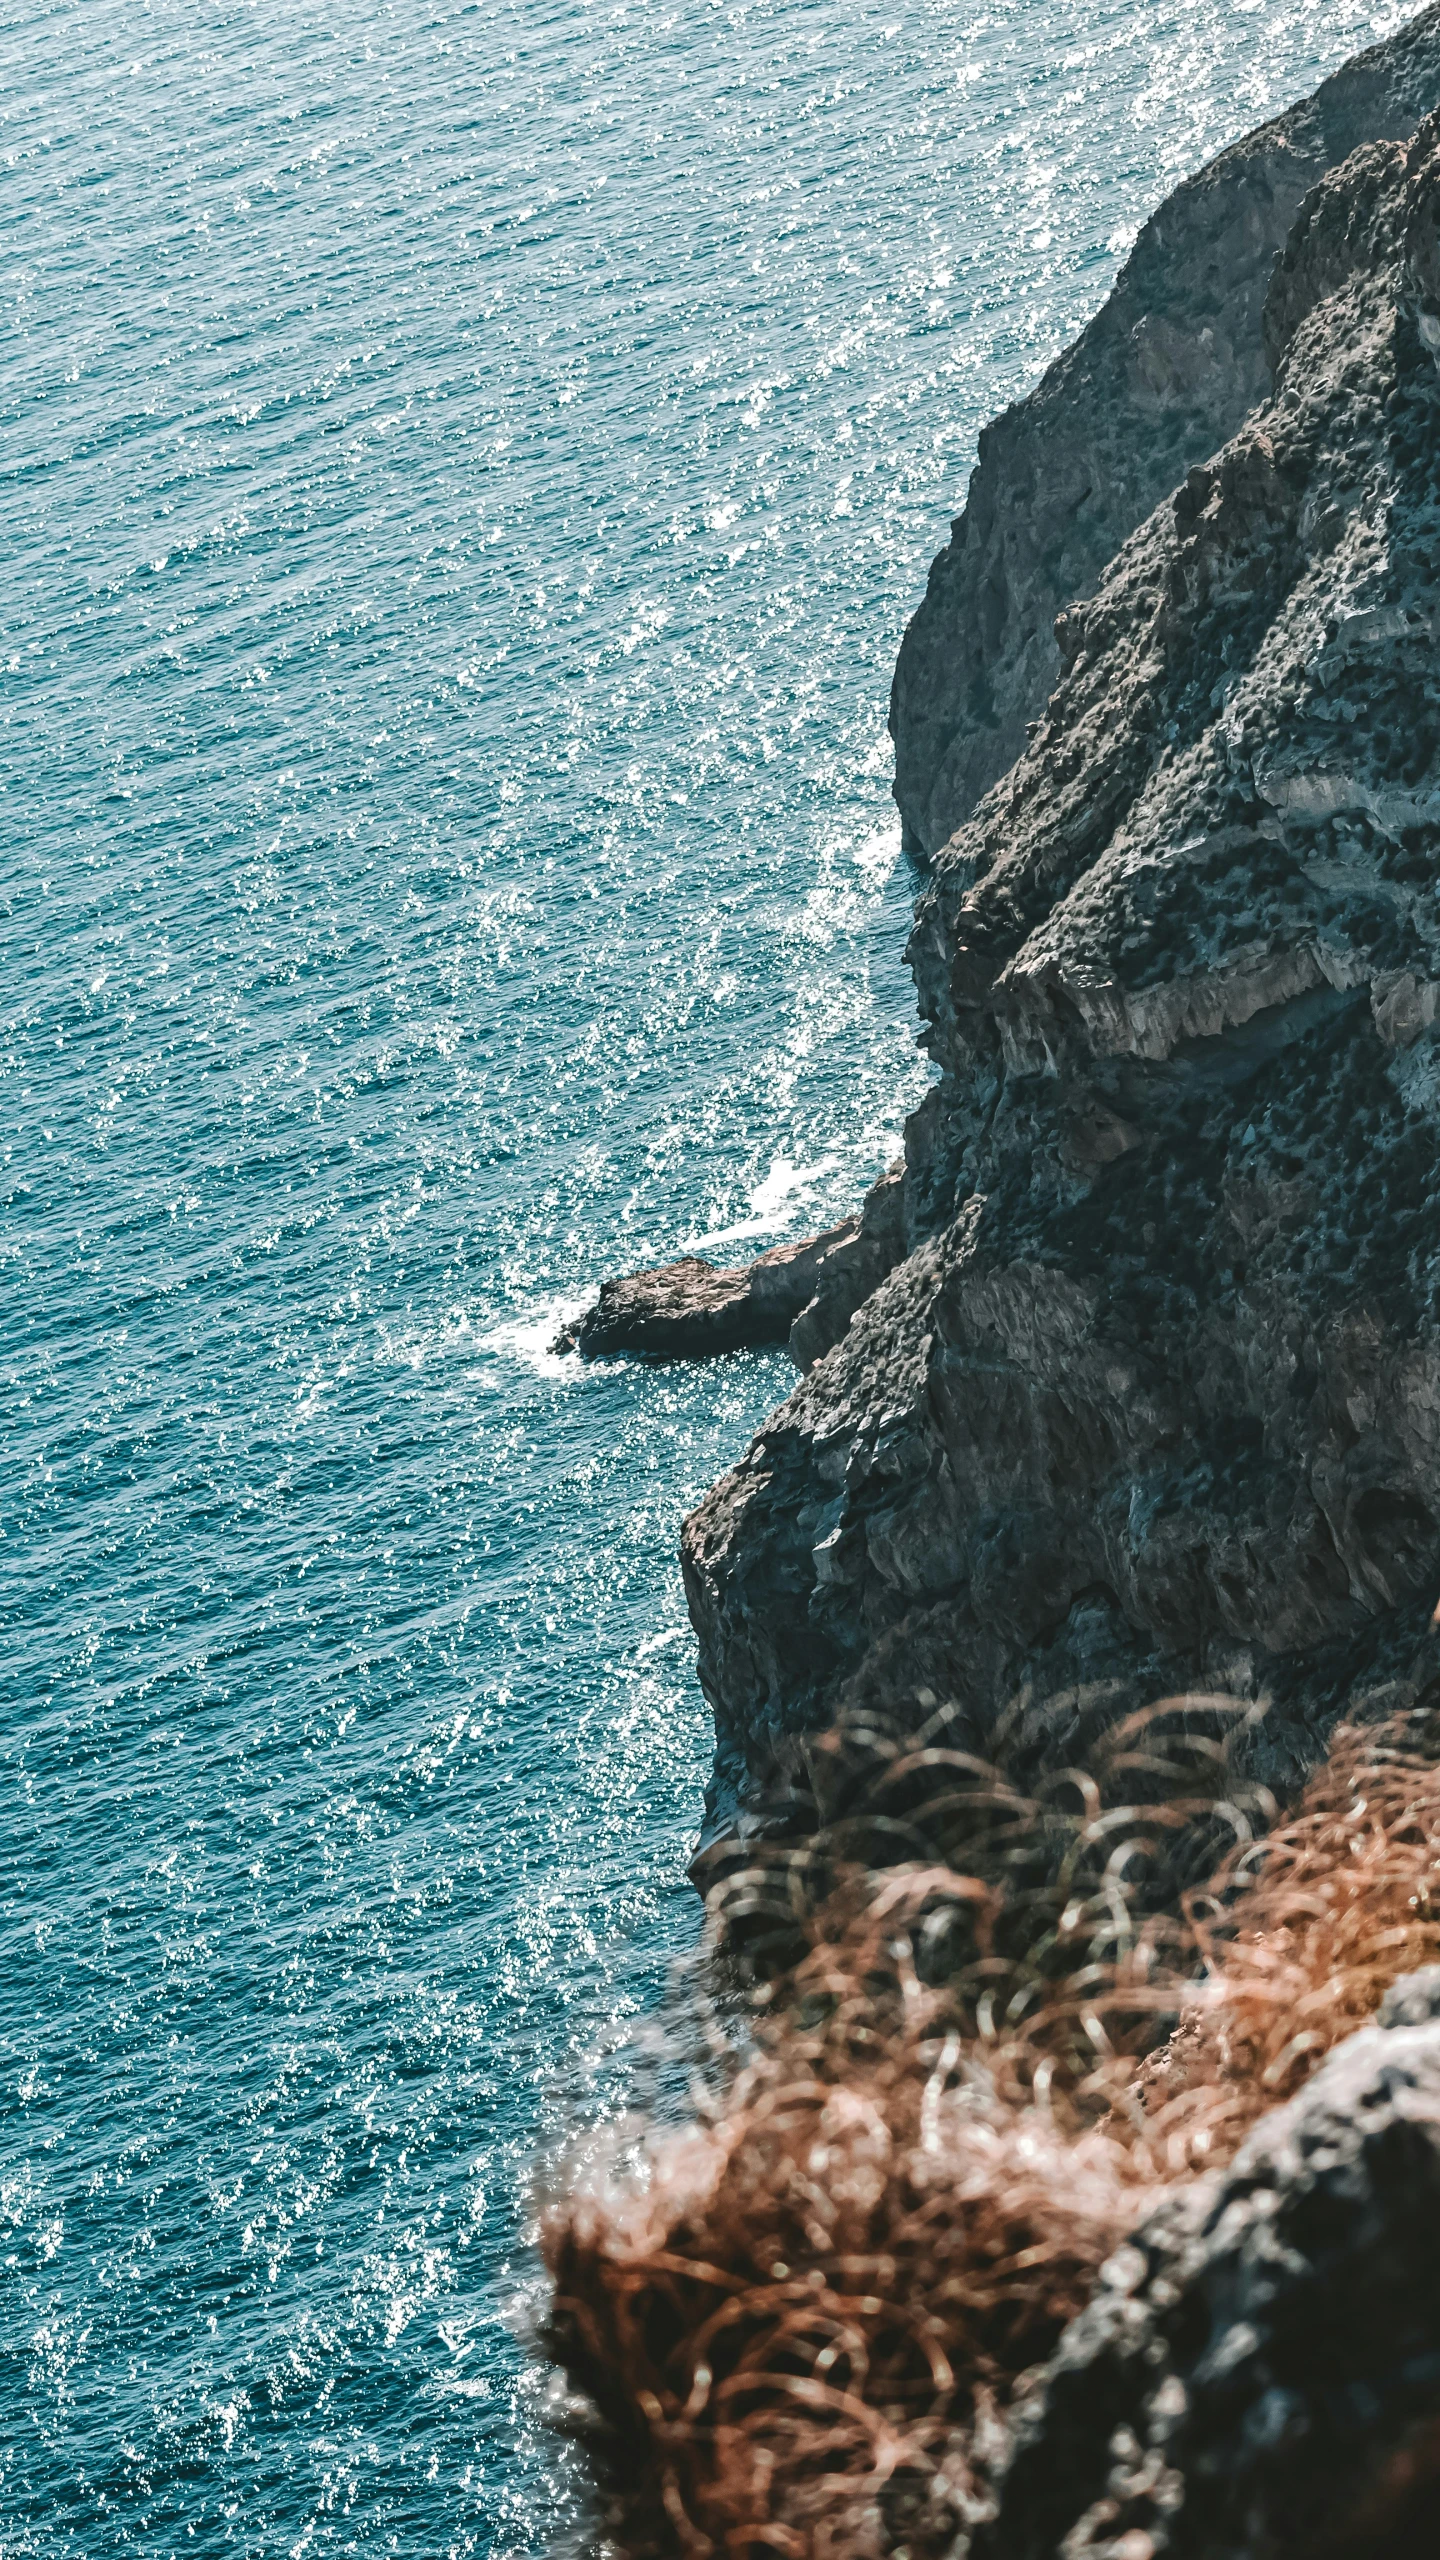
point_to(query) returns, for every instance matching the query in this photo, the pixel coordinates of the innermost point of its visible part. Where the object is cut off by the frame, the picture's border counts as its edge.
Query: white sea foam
(528, 1339)
(773, 1202)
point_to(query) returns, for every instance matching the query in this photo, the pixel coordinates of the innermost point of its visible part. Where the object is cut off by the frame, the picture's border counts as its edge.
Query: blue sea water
(463, 474)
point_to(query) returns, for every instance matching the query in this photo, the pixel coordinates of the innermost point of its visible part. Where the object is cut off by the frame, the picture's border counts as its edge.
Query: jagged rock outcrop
(802, 1295)
(689, 1310)
(1153, 1403)
(1259, 2373)
(1163, 375)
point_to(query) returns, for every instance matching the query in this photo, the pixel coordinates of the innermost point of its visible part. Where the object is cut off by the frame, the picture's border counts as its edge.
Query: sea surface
(464, 471)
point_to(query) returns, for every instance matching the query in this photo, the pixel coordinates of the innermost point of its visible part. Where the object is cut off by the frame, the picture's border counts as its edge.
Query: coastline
(1140, 1420)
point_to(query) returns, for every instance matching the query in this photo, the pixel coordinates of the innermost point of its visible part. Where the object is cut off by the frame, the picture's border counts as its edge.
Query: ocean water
(464, 471)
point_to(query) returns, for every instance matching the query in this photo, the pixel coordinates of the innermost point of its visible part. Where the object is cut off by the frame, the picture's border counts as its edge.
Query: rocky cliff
(1151, 1403)
(1164, 374)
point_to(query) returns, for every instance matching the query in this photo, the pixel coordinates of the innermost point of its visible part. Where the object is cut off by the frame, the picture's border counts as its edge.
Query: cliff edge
(1150, 1403)
(1163, 375)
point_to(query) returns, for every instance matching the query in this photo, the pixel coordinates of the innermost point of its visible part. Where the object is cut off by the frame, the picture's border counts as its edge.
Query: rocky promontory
(1149, 1401)
(800, 1296)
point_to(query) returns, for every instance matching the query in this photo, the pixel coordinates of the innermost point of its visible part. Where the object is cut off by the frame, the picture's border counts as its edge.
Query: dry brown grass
(1299, 1937)
(965, 2083)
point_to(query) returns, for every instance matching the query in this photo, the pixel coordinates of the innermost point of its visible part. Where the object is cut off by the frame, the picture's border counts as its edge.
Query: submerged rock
(1152, 1403)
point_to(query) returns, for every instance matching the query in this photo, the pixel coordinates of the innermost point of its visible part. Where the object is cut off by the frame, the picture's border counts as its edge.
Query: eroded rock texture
(1153, 1402)
(1166, 372)
(1260, 2370)
(802, 1295)
(689, 1310)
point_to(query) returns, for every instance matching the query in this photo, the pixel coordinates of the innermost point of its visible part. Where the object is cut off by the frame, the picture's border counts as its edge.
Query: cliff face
(1164, 374)
(1153, 1403)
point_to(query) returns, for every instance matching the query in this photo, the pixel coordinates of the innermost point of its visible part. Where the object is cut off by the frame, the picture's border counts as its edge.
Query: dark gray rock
(852, 1270)
(802, 1295)
(689, 1310)
(1153, 1404)
(1412, 2001)
(1164, 375)
(1261, 2350)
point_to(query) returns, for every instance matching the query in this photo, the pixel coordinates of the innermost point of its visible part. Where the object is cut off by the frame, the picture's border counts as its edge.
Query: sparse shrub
(956, 2083)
